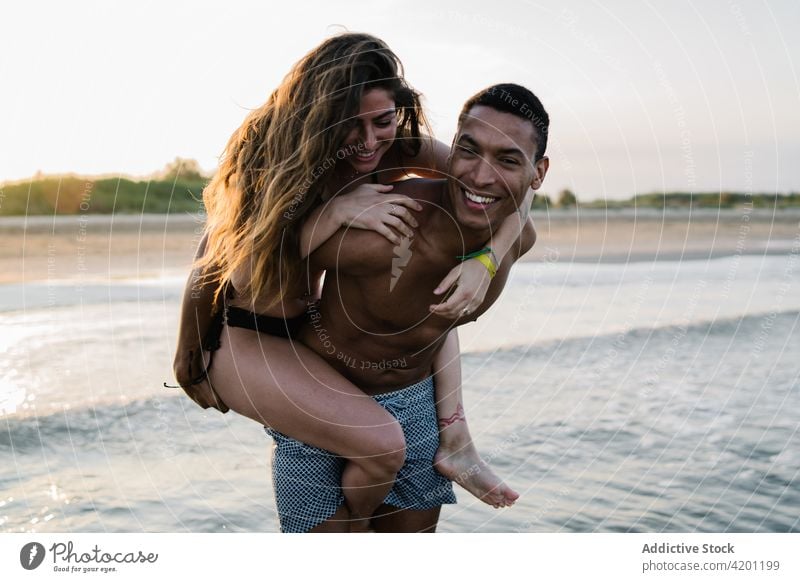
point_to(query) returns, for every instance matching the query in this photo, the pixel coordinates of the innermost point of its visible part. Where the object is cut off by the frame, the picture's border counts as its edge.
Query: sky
(643, 96)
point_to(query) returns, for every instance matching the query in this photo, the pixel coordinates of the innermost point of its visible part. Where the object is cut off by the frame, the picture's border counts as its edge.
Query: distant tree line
(567, 199)
(179, 185)
(176, 188)
(716, 200)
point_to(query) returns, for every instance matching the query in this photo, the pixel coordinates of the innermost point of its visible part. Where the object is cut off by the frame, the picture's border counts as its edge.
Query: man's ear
(539, 172)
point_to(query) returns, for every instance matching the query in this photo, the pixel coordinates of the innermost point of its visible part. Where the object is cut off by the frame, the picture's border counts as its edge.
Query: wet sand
(96, 246)
(140, 246)
(645, 235)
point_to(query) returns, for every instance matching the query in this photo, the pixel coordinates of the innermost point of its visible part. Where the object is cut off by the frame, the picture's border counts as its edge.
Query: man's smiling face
(491, 167)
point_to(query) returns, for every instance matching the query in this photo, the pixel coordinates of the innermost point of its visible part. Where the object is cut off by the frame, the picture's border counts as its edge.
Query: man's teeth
(478, 199)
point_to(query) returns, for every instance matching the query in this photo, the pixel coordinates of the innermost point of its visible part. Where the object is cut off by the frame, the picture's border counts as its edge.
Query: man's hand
(188, 369)
(204, 395)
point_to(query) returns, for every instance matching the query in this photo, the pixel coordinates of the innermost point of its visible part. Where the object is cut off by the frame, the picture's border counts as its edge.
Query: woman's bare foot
(463, 465)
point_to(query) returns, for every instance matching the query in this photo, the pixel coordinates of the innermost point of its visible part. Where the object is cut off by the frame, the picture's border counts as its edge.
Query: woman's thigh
(289, 388)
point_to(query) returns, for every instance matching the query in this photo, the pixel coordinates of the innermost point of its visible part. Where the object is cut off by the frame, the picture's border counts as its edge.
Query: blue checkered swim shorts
(308, 479)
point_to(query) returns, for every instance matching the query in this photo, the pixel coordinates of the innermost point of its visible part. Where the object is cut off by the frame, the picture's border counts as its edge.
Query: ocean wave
(746, 326)
(66, 293)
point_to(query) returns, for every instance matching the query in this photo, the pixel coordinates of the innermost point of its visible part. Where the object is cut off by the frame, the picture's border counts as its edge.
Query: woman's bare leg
(457, 458)
(287, 387)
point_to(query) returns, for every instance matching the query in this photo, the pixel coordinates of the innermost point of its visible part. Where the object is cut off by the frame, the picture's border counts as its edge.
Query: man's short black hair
(519, 101)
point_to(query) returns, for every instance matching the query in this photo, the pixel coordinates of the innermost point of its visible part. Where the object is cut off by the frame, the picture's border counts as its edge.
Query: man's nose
(484, 174)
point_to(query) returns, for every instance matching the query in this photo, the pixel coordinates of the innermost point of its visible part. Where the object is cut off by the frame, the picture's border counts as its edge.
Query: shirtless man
(374, 324)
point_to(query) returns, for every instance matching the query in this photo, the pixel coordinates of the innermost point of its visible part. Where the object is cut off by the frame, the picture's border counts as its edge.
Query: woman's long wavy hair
(275, 166)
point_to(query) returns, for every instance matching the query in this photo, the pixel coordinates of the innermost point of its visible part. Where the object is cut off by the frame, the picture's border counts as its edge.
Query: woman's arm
(368, 207)
(431, 161)
(472, 277)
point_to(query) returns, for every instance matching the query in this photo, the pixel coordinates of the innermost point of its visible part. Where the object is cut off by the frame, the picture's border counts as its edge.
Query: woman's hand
(471, 280)
(369, 207)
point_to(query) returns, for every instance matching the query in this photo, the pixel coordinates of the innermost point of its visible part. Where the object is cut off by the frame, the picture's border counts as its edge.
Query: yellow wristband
(488, 263)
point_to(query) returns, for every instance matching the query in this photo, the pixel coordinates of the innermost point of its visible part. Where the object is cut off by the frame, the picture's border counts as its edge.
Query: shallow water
(626, 397)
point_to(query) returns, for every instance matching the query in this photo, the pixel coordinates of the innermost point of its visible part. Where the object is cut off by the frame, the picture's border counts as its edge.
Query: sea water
(650, 397)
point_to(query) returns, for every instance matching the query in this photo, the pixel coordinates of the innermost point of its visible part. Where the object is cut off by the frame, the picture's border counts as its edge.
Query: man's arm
(195, 319)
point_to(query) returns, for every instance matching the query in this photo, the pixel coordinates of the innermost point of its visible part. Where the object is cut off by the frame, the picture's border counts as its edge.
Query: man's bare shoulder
(423, 189)
(373, 250)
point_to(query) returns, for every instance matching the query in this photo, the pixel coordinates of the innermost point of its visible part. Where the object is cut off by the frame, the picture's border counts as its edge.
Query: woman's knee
(386, 450)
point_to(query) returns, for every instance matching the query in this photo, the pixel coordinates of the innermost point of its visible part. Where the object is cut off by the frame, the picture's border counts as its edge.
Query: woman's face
(374, 129)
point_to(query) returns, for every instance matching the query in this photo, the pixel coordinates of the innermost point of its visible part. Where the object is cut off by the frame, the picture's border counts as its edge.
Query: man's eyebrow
(465, 137)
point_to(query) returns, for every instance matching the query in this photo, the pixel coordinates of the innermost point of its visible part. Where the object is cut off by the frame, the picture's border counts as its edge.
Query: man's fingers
(191, 392)
(218, 403)
(205, 396)
(209, 396)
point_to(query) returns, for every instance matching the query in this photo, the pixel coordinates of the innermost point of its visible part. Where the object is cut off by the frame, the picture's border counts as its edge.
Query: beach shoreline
(39, 248)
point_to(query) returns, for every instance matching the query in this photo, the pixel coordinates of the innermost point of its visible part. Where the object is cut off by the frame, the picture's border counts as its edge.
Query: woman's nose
(368, 138)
